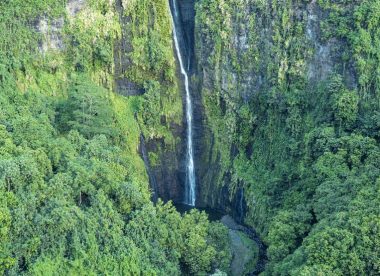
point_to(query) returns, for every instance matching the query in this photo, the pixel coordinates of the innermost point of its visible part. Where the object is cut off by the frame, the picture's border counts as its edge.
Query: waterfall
(190, 172)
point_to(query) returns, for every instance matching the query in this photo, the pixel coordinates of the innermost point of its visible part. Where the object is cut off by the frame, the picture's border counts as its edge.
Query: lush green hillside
(288, 112)
(74, 194)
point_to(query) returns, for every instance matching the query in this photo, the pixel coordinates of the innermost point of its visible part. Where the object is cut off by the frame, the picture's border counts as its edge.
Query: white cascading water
(190, 173)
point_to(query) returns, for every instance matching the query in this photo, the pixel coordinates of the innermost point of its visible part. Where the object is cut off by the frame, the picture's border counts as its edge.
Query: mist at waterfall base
(190, 184)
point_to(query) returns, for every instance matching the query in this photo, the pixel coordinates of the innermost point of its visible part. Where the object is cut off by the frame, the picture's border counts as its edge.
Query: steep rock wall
(288, 88)
(253, 60)
(145, 70)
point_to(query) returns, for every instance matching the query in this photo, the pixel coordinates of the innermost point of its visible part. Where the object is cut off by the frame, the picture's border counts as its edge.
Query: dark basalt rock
(187, 14)
(169, 173)
(152, 178)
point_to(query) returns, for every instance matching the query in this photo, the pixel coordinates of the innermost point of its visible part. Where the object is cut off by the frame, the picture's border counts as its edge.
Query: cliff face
(145, 71)
(169, 168)
(255, 59)
(288, 89)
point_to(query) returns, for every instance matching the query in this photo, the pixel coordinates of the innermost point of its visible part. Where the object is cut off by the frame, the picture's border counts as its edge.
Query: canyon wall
(254, 58)
(286, 87)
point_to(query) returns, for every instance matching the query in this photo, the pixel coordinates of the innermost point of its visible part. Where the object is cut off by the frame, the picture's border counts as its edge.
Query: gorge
(189, 137)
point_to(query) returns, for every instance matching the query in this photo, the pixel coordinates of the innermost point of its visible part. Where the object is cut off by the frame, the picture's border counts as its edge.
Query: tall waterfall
(190, 173)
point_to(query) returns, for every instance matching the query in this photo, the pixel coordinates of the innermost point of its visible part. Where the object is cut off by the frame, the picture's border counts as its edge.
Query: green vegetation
(74, 194)
(304, 147)
(153, 67)
(291, 99)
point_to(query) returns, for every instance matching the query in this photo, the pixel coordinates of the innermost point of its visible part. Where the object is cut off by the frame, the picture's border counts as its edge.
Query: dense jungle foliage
(304, 148)
(74, 194)
(291, 97)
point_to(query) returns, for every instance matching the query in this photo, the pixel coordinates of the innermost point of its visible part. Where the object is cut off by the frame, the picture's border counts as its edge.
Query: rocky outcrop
(321, 64)
(122, 49)
(73, 7)
(327, 55)
(51, 29)
(51, 32)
